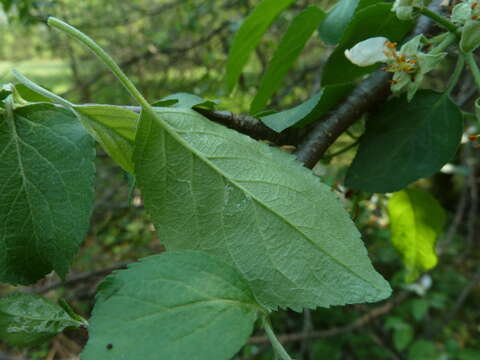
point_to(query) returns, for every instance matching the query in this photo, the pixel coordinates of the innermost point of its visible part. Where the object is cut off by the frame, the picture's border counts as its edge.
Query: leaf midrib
(172, 132)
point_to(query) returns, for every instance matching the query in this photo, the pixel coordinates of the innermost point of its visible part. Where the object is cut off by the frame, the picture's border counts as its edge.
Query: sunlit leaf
(416, 220)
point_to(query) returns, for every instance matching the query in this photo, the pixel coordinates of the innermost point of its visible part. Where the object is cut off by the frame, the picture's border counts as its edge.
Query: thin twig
(357, 324)
(78, 278)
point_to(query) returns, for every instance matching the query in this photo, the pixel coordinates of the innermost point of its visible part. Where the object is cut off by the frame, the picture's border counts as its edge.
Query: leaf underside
(29, 319)
(212, 189)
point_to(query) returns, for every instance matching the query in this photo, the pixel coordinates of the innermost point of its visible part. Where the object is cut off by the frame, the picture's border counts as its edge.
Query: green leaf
(30, 319)
(374, 20)
(178, 305)
(185, 100)
(114, 128)
(209, 188)
(416, 221)
(337, 19)
(248, 36)
(290, 47)
(405, 141)
(46, 180)
(419, 309)
(309, 111)
(422, 350)
(403, 336)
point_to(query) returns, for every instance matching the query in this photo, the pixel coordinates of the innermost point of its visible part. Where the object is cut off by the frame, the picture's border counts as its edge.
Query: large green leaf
(416, 220)
(406, 141)
(209, 188)
(374, 20)
(178, 305)
(337, 19)
(310, 110)
(46, 191)
(113, 127)
(290, 47)
(248, 36)
(29, 319)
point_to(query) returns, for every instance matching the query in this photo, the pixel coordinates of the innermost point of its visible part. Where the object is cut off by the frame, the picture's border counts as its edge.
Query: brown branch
(357, 324)
(78, 278)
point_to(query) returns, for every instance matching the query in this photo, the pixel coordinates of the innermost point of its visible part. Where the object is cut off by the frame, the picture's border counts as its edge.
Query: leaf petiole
(277, 346)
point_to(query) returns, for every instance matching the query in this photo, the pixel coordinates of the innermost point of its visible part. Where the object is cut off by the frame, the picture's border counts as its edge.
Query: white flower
(368, 52)
(409, 64)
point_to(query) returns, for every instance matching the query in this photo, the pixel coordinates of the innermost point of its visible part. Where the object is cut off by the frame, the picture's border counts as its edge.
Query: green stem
(469, 58)
(449, 40)
(277, 346)
(440, 20)
(456, 74)
(102, 55)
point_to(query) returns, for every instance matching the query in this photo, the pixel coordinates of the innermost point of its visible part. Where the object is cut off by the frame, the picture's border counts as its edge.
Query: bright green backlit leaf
(30, 319)
(46, 191)
(114, 128)
(209, 188)
(416, 221)
(177, 305)
(290, 47)
(309, 111)
(404, 142)
(372, 21)
(248, 36)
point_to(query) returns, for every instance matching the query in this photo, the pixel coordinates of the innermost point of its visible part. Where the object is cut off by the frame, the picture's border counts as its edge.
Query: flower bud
(470, 36)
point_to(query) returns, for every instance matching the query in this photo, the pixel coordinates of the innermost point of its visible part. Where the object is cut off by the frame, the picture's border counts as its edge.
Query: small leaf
(185, 100)
(114, 128)
(309, 111)
(210, 188)
(403, 336)
(30, 319)
(416, 221)
(290, 47)
(178, 305)
(422, 350)
(248, 36)
(46, 180)
(337, 19)
(372, 21)
(404, 142)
